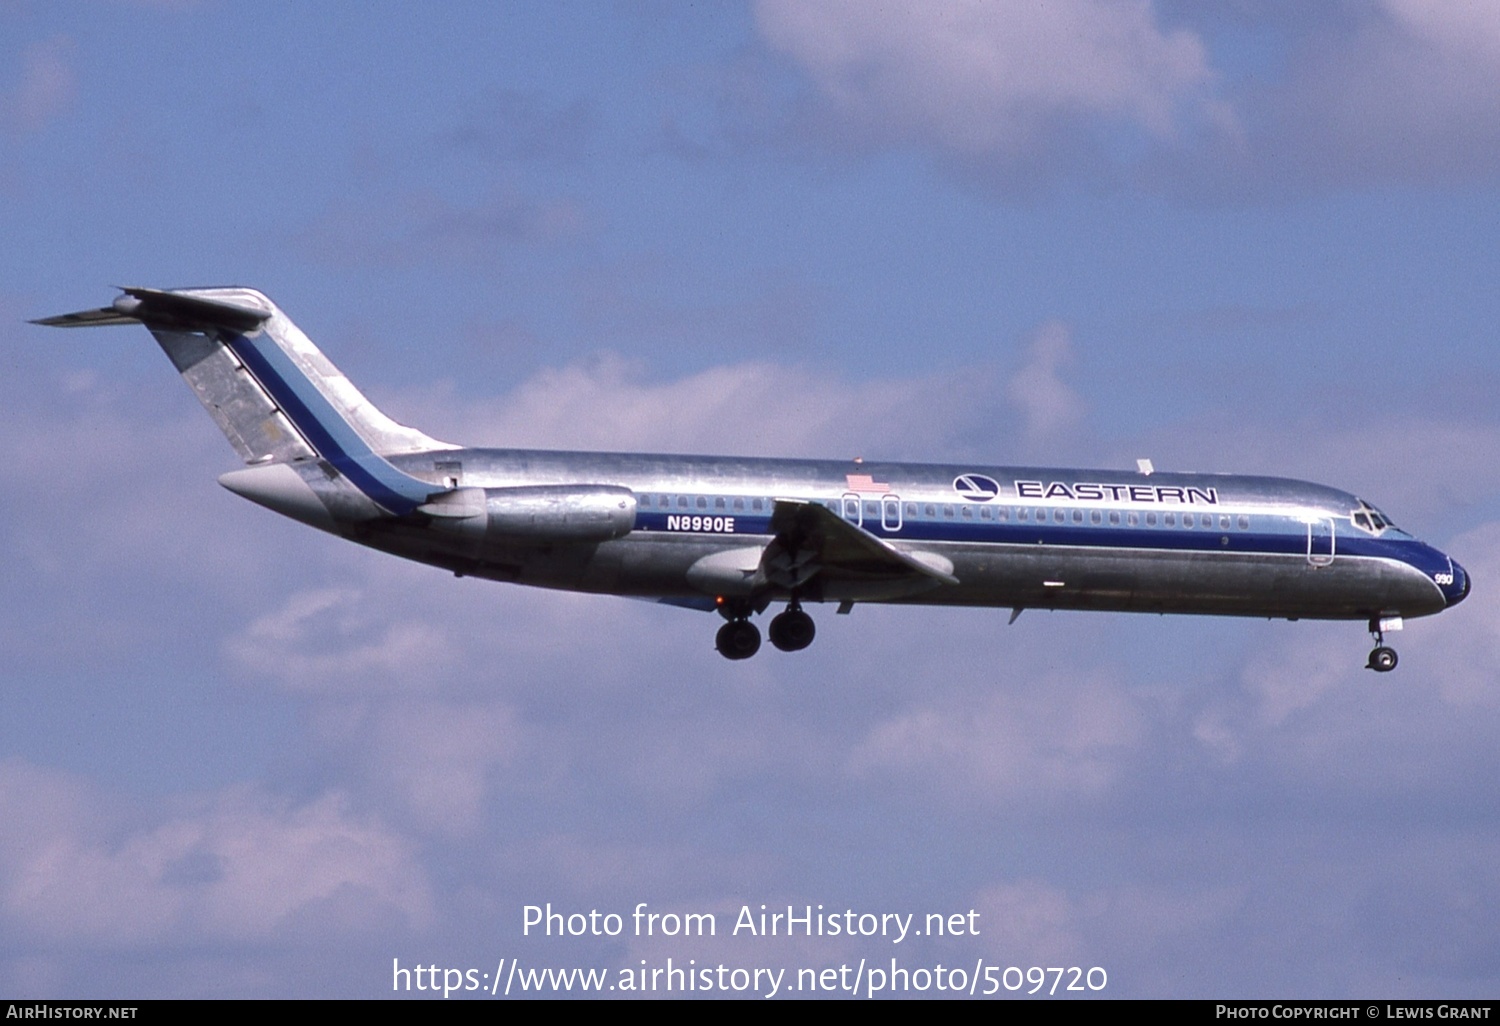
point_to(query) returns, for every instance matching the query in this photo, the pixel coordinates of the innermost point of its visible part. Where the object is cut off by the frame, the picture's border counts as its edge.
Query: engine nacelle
(535, 514)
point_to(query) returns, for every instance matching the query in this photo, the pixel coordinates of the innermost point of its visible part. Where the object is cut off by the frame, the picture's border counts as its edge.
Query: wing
(813, 541)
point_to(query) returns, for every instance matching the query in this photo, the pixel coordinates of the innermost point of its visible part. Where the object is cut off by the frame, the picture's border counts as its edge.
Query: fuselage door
(1321, 544)
(890, 512)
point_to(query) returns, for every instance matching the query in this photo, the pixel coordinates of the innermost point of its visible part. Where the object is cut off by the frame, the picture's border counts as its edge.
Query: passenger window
(1003, 513)
(1114, 518)
(1059, 516)
(911, 509)
(702, 502)
(931, 510)
(984, 512)
(967, 513)
(1169, 519)
(1150, 519)
(755, 505)
(948, 512)
(739, 505)
(1224, 522)
(1095, 517)
(719, 503)
(1244, 522)
(1078, 516)
(1021, 515)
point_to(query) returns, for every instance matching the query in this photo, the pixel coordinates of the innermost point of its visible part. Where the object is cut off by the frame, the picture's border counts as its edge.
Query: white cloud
(1470, 28)
(436, 757)
(239, 866)
(604, 404)
(1049, 405)
(335, 639)
(46, 87)
(1396, 92)
(1035, 738)
(986, 78)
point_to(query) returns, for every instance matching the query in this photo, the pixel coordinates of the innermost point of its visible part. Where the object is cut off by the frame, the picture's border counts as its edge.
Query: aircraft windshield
(1368, 518)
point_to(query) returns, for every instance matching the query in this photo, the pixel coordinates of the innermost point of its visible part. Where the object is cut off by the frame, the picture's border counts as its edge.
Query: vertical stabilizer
(275, 396)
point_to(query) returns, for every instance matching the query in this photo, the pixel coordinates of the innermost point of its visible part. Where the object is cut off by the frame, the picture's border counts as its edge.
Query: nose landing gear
(1382, 657)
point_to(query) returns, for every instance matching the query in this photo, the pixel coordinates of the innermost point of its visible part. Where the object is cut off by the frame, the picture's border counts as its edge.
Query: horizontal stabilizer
(161, 309)
(99, 318)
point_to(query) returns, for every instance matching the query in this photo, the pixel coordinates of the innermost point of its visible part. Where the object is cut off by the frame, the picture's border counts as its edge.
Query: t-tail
(314, 446)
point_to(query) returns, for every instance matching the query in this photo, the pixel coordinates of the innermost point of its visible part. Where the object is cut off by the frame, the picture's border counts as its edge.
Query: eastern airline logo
(976, 487)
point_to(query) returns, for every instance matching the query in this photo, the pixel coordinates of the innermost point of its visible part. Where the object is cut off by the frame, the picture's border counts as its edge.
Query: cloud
(1018, 94)
(1039, 738)
(992, 80)
(1399, 92)
(1049, 406)
(606, 403)
(46, 87)
(335, 638)
(240, 866)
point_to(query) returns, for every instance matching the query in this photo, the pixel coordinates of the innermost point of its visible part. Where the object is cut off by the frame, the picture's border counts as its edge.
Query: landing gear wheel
(738, 639)
(1382, 659)
(792, 631)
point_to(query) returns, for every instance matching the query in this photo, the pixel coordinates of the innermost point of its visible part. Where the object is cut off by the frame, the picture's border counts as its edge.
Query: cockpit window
(1368, 518)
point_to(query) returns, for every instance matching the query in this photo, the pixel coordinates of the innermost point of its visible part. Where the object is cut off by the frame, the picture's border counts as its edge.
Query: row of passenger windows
(886, 512)
(719, 504)
(1096, 517)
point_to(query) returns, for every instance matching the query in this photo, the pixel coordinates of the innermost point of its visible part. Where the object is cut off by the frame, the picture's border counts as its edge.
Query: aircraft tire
(738, 639)
(792, 631)
(1382, 660)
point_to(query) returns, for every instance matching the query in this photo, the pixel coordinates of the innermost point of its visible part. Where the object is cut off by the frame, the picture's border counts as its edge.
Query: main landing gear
(738, 639)
(1382, 657)
(791, 631)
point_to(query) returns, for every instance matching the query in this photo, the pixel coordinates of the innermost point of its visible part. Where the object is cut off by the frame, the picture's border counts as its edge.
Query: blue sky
(241, 758)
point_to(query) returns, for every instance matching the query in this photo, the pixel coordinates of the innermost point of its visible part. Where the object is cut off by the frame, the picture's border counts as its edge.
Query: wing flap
(812, 539)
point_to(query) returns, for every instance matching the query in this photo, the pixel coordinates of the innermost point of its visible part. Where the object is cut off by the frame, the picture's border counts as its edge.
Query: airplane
(738, 534)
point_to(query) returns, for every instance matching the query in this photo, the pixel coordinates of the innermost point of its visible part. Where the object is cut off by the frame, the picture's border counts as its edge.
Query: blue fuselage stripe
(334, 439)
(1291, 542)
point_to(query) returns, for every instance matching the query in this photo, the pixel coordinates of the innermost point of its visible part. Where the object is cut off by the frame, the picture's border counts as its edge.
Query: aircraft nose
(1459, 589)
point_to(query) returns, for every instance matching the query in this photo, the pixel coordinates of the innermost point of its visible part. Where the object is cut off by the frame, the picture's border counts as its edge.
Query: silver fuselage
(1050, 538)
